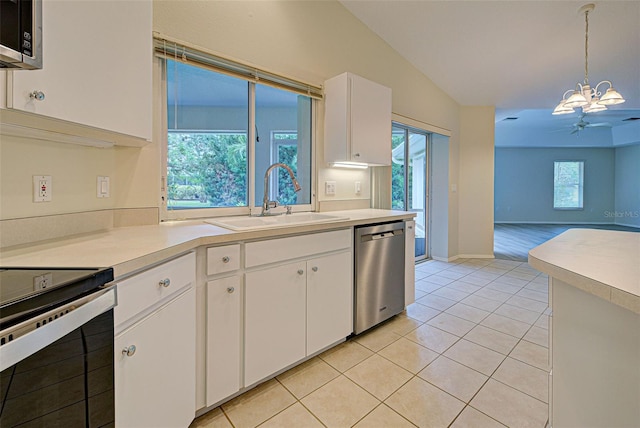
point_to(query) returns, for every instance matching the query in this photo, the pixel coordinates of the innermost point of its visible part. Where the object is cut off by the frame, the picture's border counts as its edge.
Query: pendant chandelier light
(584, 96)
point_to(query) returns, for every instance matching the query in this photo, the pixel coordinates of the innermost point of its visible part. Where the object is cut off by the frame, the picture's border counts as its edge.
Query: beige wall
(313, 41)
(74, 170)
(307, 40)
(475, 187)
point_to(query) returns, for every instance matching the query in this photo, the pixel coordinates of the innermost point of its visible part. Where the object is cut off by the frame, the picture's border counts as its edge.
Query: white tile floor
(471, 352)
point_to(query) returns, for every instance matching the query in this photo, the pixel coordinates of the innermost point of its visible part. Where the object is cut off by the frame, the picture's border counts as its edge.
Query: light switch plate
(329, 187)
(103, 187)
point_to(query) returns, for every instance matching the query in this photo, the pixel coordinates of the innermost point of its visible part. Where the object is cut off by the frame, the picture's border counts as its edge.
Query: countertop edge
(199, 234)
(608, 292)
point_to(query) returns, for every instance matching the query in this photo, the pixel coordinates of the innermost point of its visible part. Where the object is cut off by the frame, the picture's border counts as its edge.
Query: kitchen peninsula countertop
(129, 249)
(601, 262)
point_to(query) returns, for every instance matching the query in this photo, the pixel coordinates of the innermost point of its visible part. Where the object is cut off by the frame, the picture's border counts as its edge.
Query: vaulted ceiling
(520, 56)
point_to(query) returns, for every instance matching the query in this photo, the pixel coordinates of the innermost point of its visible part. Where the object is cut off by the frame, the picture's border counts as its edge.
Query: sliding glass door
(409, 172)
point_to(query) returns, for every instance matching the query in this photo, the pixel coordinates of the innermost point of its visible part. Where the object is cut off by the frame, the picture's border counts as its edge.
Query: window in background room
(223, 132)
(568, 184)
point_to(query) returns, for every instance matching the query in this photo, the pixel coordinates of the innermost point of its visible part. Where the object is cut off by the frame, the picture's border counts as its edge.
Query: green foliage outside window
(288, 155)
(206, 170)
(397, 176)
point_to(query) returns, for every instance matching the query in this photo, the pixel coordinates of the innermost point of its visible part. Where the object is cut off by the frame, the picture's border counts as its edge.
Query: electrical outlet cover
(42, 189)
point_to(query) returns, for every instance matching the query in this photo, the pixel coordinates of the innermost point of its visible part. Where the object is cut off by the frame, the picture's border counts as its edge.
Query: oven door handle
(20, 348)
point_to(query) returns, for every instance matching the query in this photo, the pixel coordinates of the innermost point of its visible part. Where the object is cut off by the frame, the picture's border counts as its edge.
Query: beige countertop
(601, 262)
(128, 249)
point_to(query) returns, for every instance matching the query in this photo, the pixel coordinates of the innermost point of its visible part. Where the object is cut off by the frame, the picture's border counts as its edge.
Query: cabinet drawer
(146, 289)
(223, 259)
(276, 250)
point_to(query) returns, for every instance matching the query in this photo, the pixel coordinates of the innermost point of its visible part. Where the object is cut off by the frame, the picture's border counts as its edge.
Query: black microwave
(21, 34)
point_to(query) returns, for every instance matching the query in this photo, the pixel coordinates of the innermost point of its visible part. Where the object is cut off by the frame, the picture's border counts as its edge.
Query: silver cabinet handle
(315, 268)
(226, 259)
(164, 282)
(300, 272)
(129, 351)
(230, 289)
(37, 95)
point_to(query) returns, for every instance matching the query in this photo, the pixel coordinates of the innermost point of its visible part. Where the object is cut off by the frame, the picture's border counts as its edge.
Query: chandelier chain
(586, 48)
(589, 99)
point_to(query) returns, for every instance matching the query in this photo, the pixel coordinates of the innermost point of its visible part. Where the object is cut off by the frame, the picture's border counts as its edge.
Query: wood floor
(513, 241)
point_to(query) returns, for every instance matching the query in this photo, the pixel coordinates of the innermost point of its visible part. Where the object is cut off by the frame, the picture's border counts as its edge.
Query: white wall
(627, 186)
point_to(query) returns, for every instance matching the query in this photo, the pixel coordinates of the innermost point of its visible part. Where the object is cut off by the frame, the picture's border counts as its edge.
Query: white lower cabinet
(329, 301)
(271, 304)
(275, 331)
(155, 346)
(224, 334)
(295, 310)
(155, 383)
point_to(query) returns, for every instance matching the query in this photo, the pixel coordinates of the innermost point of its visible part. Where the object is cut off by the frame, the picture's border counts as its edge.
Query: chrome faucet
(266, 203)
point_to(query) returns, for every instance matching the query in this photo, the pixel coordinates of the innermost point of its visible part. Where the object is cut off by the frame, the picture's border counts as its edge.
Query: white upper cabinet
(357, 121)
(97, 67)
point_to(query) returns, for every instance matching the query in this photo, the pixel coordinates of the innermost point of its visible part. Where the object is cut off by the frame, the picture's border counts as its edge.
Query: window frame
(252, 208)
(581, 184)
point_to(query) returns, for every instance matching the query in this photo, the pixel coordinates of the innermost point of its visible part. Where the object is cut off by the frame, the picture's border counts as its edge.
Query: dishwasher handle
(381, 235)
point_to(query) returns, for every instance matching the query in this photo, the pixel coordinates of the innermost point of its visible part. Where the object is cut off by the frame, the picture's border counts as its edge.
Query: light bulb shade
(561, 109)
(611, 97)
(593, 107)
(576, 100)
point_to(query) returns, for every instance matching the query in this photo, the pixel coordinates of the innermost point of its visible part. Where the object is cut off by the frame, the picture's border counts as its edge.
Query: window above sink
(222, 133)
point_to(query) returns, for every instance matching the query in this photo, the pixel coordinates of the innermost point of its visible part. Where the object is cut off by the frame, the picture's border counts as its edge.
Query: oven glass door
(67, 383)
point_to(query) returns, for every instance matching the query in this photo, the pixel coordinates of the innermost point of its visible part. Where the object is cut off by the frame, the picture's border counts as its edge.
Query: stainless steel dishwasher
(379, 273)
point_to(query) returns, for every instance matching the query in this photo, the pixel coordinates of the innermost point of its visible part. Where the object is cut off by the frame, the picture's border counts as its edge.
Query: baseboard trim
(635, 226)
(444, 259)
(560, 222)
(476, 256)
(463, 256)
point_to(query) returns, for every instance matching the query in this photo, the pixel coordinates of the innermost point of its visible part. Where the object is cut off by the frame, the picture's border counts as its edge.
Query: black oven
(56, 347)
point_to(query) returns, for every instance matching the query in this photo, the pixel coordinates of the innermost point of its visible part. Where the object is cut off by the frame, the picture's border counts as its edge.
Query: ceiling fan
(581, 124)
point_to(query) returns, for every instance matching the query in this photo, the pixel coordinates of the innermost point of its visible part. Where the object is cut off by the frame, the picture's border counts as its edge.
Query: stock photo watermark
(622, 214)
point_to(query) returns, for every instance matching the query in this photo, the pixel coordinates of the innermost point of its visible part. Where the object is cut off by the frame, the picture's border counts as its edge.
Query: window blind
(167, 48)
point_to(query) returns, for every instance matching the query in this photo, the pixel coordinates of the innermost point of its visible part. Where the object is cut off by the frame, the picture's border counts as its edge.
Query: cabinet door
(329, 300)
(274, 320)
(97, 59)
(155, 386)
(223, 338)
(370, 122)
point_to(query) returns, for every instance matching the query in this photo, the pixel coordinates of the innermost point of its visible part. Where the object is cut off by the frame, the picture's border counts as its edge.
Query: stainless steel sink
(268, 222)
